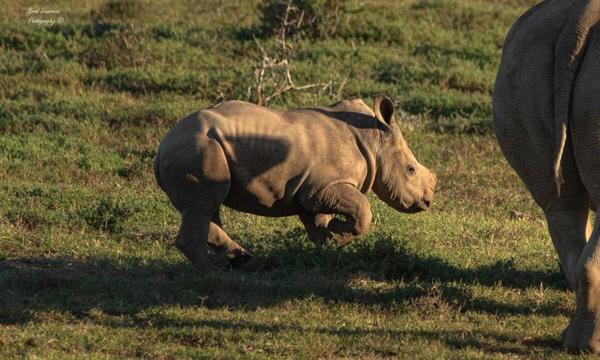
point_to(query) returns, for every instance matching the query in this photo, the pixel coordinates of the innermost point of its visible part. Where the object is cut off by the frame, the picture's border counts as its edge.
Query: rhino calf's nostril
(427, 199)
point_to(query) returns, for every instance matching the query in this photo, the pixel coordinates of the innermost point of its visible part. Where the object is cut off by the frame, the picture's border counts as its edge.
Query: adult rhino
(313, 163)
(547, 120)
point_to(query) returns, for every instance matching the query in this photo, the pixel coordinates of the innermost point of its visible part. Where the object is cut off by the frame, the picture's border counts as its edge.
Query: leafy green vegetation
(88, 266)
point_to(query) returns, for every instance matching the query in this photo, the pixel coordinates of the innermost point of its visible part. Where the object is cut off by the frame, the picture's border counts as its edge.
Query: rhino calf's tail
(568, 55)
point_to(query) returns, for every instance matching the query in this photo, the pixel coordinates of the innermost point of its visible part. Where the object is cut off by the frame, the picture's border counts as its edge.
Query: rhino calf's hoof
(237, 260)
(341, 240)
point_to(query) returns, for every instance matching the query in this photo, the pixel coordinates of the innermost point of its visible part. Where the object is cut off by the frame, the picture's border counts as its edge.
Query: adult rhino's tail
(568, 55)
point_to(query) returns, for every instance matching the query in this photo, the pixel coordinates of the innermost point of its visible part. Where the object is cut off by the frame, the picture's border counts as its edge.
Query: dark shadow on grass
(130, 285)
(488, 341)
(387, 260)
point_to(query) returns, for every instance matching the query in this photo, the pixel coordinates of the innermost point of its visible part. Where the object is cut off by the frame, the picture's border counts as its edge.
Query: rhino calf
(313, 163)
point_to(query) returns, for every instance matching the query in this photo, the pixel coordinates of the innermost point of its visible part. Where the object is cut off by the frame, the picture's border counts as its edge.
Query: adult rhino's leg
(583, 331)
(221, 242)
(567, 216)
(316, 227)
(568, 223)
(345, 200)
(523, 121)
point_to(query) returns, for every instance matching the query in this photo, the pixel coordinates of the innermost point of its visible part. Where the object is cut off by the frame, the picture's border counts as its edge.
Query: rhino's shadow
(131, 285)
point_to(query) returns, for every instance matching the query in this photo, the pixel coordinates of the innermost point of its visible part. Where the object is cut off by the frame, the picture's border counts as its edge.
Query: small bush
(121, 10)
(120, 47)
(107, 214)
(313, 18)
(138, 164)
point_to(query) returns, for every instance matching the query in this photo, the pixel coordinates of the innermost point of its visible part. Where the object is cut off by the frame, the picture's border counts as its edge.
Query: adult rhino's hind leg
(583, 332)
(568, 224)
(525, 132)
(567, 216)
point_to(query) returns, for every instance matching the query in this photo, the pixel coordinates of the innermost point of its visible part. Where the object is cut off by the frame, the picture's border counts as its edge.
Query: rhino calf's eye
(411, 170)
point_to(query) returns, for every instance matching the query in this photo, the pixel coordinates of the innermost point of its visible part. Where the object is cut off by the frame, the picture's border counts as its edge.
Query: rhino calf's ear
(383, 108)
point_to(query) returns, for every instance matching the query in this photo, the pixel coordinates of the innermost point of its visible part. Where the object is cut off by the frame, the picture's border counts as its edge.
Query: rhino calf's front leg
(345, 200)
(316, 227)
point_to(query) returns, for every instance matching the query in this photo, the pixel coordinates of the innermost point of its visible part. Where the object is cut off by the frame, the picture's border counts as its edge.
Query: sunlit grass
(88, 267)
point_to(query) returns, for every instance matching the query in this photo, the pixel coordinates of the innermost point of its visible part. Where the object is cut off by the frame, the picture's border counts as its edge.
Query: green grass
(88, 267)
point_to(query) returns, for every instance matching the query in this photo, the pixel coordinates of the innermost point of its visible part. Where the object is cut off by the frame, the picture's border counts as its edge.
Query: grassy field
(88, 266)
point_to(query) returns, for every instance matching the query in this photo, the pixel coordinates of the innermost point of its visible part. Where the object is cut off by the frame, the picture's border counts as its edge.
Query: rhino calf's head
(401, 181)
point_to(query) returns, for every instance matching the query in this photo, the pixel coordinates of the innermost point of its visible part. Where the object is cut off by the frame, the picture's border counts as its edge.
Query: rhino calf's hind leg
(193, 237)
(221, 242)
(197, 230)
(197, 186)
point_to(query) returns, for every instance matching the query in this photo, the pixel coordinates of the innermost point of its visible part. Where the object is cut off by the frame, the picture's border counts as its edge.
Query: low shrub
(107, 214)
(312, 18)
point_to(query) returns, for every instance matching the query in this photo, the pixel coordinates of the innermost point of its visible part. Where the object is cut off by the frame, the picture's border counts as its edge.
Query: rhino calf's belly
(260, 201)
(250, 205)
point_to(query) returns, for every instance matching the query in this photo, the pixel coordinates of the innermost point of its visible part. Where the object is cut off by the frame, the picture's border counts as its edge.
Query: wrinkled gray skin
(312, 163)
(547, 120)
